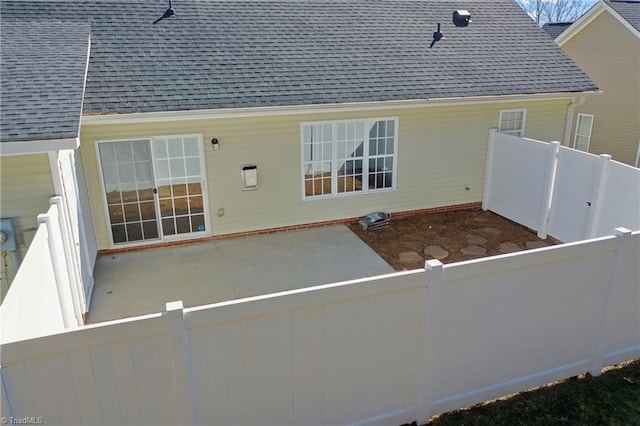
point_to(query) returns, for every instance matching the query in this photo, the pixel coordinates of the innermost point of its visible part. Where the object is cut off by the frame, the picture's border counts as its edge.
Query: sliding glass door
(154, 188)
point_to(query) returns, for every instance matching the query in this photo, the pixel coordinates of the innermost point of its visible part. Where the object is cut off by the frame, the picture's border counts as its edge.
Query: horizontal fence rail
(382, 350)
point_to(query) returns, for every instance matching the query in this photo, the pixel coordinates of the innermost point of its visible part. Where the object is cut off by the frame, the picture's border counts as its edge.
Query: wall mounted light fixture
(215, 143)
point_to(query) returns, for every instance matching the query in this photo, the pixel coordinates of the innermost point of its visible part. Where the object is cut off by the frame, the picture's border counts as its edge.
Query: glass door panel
(128, 183)
(179, 184)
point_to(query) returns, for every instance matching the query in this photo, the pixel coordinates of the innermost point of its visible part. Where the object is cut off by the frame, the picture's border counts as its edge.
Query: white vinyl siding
(584, 124)
(512, 121)
(350, 156)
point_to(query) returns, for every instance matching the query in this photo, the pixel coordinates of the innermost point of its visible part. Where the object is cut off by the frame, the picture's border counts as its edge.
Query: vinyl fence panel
(517, 180)
(575, 187)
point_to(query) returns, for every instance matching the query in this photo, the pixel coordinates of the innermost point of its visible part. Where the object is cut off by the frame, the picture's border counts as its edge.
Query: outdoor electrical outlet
(221, 212)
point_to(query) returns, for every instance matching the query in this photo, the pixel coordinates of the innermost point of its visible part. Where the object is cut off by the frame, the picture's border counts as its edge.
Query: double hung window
(347, 157)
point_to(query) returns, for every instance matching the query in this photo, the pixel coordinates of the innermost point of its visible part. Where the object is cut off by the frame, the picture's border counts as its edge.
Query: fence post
(488, 170)
(621, 259)
(595, 210)
(433, 269)
(181, 363)
(549, 180)
(70, 261)
(59, 269)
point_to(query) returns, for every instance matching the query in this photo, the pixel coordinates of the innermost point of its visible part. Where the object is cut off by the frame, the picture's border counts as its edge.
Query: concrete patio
(142, 282)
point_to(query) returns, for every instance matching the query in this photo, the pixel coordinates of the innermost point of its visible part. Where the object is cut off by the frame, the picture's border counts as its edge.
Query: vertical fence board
(216, 365)
(338, 375)
(274, 334)
(308, 354)
(165, 392)
(142, 355)
(85, 387)
(126, 384)
(19, 393)
(64, 396)
(233, 348)
(106, 387)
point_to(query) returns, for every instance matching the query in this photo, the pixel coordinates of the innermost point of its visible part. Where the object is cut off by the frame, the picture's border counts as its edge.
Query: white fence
(389, 349)
(569, 194)
(42, 298)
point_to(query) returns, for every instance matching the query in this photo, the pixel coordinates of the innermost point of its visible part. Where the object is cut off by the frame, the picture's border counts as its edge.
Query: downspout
(566, 139)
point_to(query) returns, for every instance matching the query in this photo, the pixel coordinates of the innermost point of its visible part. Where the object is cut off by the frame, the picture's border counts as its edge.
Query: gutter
(38, 146)
(569, 122)
(164, 116)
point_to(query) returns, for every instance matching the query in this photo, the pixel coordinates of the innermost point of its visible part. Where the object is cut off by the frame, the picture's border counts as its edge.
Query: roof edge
(589, 16)
(37, 146)
(152, 117)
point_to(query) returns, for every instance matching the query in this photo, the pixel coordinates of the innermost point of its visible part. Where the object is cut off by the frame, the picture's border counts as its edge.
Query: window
(512, 121)
(346, 157)
(583, 132)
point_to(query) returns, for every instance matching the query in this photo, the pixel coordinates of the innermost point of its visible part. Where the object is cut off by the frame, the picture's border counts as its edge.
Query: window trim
(334, 159)
(161, 238)
(575, 134)
(524, 121)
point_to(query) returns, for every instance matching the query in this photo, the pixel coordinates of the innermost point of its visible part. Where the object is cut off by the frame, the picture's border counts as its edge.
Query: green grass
(613, 398)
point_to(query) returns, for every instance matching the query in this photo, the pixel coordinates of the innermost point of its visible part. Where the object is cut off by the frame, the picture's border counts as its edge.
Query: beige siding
(441, 150)
(610, 54)
(25, 187)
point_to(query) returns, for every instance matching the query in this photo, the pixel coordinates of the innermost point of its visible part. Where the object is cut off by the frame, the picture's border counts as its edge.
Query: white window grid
(584, 126)
(329, 146)
(512, 121)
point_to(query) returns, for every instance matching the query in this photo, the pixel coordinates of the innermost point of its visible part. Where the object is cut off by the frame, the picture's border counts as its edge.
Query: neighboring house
(605, 42)
(42, 79)
(554, 29)
(236, 117)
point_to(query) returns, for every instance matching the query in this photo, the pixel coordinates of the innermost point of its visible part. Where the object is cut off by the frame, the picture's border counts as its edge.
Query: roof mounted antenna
(437, 36)
(167, 14)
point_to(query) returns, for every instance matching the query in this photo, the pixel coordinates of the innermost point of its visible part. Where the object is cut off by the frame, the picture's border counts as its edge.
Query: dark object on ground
(375, 220)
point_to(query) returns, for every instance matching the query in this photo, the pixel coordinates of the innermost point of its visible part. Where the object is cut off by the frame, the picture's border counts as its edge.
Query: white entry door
(154, 189)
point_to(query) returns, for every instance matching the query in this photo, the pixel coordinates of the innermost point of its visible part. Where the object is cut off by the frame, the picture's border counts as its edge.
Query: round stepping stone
(535, 244)
(436, 252)
(409, 257)
(474, 250)
(489, 230)
(476, 240)
(508, 247)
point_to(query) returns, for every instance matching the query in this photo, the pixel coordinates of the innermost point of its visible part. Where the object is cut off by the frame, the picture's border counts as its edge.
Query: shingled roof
(243, 53)
(554, 29)
(629, 10)
(43, 67)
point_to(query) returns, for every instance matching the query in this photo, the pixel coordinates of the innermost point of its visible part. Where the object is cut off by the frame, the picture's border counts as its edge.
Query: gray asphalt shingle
(42, 73)
(629, 10)
(556, 28)
(243, 53)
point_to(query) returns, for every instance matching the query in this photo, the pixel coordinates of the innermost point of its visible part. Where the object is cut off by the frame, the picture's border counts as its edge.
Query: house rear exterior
(605, 42)
(232, 118)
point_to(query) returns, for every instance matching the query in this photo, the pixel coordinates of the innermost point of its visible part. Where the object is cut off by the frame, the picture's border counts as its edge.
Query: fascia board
(153, 117)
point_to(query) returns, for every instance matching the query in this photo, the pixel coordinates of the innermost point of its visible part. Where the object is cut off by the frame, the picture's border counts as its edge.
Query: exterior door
(154, 188)
(127, 175)
(179, 183)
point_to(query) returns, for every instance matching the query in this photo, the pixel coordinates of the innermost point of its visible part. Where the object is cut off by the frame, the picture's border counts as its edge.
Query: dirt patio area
(448, 236)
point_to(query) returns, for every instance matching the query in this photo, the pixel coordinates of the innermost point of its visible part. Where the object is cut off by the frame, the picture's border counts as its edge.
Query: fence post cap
(175, 306)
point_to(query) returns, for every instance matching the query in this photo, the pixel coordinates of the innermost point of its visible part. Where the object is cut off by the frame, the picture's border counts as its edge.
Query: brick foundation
(347, 221)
